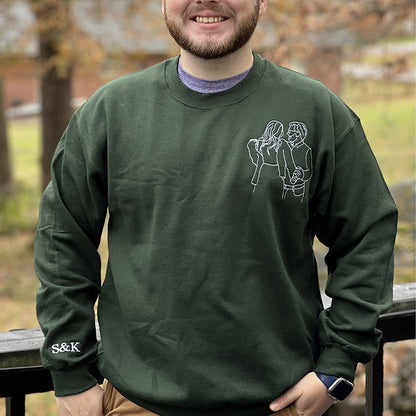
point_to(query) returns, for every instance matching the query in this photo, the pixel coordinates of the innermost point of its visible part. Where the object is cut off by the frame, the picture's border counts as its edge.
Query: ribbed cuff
(338, 362)
(72, 380)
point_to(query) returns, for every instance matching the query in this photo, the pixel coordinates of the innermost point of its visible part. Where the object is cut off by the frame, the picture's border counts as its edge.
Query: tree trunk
(56, 111)
(5, 160)
(54, 29)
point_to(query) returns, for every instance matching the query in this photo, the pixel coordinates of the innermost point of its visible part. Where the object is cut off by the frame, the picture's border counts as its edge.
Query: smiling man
(218, 169)
(214, 32)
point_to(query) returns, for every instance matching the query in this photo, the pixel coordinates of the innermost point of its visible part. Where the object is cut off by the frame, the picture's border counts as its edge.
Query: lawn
(20, 211)
(387, 112)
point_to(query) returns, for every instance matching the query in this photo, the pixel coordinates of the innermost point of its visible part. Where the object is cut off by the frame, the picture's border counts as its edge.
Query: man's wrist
(338, 388)
(72, 380)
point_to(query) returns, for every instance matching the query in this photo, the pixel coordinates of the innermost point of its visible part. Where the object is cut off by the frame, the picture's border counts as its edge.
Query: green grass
(19, 210)
(390, 131)
(25, 146)
(18, 217)
(387, 112)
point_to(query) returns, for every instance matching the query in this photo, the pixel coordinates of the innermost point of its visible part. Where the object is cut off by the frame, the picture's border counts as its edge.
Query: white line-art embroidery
(291, 155)
(263, 150)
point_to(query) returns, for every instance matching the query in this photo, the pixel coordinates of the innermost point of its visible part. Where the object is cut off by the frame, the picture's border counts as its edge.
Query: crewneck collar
(211, 100)
(209, 87)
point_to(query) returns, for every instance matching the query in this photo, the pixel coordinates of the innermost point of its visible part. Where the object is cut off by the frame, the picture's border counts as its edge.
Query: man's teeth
(200, 19)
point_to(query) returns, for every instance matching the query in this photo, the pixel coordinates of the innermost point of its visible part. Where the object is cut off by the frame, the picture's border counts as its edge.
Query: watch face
(340, 389)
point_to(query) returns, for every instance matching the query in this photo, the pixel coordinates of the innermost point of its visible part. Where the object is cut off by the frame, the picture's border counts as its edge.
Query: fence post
(15, 406)
(374, 372)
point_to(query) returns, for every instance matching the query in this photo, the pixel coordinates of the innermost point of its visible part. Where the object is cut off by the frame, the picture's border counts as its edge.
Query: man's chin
(215, 51)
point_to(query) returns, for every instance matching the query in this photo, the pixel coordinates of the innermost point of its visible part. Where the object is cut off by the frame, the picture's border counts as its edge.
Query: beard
(218, 49)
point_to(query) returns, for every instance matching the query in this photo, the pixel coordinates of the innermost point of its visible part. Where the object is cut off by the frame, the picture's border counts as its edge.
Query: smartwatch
(338, 388)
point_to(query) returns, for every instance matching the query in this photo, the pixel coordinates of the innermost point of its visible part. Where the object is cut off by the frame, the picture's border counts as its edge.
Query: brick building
(127, 44)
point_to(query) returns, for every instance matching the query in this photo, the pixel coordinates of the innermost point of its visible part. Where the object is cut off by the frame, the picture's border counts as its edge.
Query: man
(295, 160)
(211, 304)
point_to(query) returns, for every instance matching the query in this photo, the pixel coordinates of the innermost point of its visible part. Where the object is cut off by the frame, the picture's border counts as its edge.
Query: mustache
(195, 9)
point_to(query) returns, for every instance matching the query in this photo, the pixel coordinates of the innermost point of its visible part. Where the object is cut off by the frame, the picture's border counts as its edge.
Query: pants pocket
(115, 404)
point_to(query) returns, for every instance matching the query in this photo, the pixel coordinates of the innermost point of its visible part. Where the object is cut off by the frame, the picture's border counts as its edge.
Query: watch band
(327, 380)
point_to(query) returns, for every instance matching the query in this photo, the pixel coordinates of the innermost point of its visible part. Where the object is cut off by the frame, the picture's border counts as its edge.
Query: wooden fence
(21, 372)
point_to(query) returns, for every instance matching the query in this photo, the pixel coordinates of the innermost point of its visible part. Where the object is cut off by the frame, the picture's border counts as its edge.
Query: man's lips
(208, 16)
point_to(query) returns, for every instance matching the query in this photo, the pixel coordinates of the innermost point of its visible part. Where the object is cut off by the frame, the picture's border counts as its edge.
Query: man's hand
(309, 395)
(87, 403)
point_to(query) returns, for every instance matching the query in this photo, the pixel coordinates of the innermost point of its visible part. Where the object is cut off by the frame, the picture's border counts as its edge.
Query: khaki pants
(117, 405)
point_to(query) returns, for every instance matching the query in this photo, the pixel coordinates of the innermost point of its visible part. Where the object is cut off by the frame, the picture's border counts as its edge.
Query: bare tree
(53, 27)
(63, 44)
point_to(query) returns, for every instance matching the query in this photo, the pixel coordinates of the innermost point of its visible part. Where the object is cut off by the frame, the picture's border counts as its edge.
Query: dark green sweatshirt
(211, 303)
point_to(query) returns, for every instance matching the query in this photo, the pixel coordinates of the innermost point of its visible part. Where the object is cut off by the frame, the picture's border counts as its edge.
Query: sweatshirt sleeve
(356, 219)
(72, 213)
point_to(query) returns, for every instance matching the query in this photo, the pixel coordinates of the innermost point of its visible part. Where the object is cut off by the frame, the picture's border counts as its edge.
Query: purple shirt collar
(209, 87)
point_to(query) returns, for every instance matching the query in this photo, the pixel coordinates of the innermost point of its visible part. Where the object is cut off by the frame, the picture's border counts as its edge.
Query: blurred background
(55, 53)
